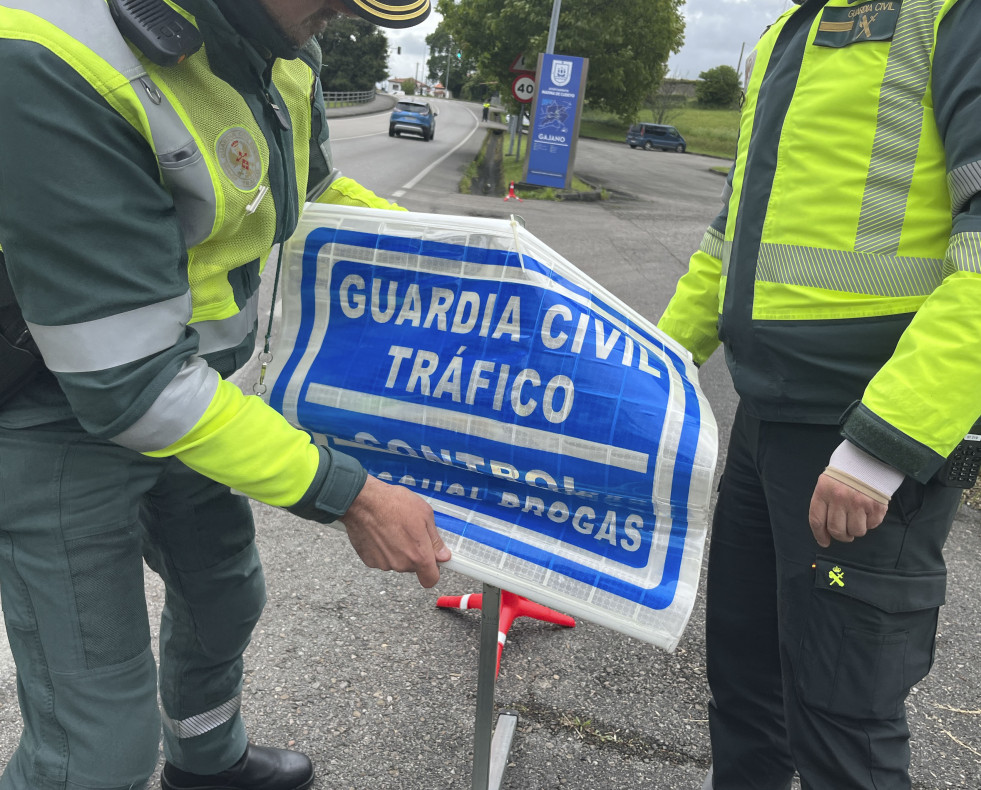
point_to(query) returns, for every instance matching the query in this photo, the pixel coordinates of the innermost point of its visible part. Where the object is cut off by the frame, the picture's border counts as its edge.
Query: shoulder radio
(156, 29)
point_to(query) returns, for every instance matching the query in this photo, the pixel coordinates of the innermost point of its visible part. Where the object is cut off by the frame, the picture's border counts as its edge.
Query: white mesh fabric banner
(562, 441)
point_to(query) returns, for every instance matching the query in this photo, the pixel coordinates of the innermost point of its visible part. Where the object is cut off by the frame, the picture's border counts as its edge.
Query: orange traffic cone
(511, 195)
(512, 607)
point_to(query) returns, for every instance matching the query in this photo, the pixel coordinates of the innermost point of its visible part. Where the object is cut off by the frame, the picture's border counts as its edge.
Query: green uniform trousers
(77, 518)
(811, 651)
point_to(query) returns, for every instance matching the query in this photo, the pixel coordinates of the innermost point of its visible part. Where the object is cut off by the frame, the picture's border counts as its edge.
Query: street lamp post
(449, 50)
(553, 27)
(549, 50)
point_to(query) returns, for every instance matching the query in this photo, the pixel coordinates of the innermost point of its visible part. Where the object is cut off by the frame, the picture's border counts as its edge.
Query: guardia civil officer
(843, 278)
(143, 183)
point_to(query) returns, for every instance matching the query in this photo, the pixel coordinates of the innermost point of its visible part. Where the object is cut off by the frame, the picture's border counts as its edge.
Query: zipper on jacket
(284, 123)
(287, 218)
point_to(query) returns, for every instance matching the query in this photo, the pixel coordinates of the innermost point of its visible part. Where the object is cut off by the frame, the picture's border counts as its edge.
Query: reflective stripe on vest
(182, 165)
(898, 131)
(849, 272)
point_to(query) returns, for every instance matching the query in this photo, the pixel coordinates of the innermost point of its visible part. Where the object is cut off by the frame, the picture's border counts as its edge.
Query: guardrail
(344, 99)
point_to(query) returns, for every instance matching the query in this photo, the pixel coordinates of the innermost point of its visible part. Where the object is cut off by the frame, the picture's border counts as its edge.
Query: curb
(590, 196)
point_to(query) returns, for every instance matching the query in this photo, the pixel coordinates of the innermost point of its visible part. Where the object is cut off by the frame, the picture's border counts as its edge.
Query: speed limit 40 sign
(523, 88)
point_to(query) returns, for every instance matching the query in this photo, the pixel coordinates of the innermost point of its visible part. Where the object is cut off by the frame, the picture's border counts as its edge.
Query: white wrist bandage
(859, 470)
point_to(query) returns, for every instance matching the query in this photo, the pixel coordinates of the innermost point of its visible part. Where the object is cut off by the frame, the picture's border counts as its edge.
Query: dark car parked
(414, 117)
(655, 135)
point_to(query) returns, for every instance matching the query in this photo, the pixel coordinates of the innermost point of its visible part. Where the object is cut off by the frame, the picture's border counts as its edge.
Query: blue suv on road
(414, 117)
(656, 135)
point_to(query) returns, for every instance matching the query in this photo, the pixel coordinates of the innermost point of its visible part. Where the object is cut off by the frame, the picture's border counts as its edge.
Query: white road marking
(453, 150)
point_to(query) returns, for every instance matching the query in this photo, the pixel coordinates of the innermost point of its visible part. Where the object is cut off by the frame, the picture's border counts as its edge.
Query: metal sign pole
(553, 27)
(490, 752)
(521, 115)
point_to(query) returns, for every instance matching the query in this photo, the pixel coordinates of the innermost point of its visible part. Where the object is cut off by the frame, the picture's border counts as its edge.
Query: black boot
(260, 768)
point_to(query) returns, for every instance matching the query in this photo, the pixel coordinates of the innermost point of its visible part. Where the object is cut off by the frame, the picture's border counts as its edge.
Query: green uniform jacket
(843, 275)
(138, 328)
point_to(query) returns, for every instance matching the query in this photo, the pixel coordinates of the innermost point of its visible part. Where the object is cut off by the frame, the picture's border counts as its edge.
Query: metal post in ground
(490, 749)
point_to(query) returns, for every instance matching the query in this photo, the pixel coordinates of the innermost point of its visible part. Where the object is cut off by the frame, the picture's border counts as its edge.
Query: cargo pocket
(869, 638)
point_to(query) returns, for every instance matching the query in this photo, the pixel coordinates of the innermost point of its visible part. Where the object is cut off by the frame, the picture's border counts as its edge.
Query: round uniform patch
(239, 157)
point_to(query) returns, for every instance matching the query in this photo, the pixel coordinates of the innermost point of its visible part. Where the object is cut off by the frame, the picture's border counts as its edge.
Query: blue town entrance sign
(559, 92)
(562, 441)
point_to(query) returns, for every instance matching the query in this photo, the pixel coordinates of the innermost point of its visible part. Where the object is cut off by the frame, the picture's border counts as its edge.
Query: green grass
(709, 132)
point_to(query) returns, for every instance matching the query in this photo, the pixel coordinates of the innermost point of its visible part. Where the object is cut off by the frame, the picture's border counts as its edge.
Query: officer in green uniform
(843, 278)
(143, 183)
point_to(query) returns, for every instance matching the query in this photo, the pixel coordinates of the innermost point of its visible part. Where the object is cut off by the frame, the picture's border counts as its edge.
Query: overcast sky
(715, 30)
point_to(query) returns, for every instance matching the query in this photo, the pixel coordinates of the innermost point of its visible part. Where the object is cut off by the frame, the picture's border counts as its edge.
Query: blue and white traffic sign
(562, 441)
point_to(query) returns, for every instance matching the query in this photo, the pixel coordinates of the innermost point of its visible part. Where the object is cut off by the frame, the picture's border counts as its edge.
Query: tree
(668, 100)
(442, 51)
(409, 87)
(628, 42)
(718, 87)
(355, 55)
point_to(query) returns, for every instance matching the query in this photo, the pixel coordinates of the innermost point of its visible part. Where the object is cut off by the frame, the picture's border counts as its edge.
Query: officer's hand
(392, 529)
(841, 512)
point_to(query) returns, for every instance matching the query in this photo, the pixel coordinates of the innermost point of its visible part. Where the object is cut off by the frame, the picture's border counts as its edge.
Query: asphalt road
(360, 670)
